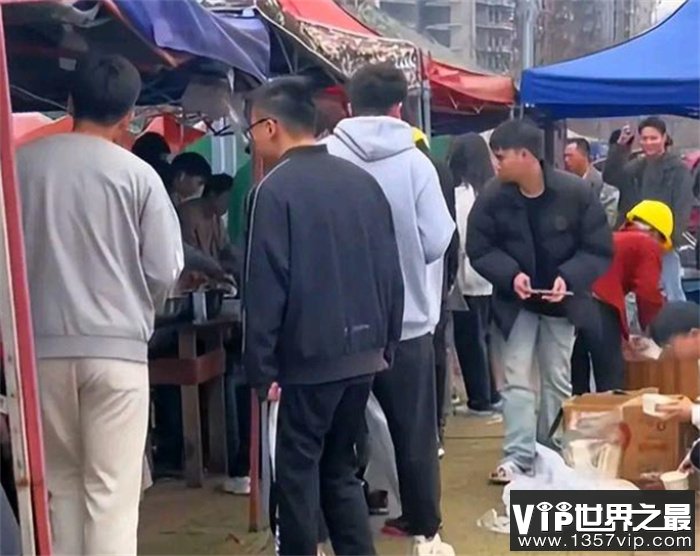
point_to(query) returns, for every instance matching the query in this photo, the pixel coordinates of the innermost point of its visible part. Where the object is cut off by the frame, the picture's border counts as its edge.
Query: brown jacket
(202, 229)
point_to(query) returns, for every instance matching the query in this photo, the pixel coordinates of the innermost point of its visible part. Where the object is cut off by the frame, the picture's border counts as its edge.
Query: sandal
(504, 473)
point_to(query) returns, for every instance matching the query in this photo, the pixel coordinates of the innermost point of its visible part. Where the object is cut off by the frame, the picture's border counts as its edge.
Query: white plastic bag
(552, 473)
(381, 471)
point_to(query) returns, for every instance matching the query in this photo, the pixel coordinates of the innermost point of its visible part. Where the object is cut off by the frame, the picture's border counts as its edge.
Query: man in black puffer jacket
(533, 229)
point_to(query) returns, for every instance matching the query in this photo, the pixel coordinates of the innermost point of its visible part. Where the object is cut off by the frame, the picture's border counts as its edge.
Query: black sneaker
(378, 502)
(396, 527)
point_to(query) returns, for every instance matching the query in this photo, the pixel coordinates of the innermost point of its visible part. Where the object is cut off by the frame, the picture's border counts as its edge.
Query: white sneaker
(431, 547)
(441, 452)
(237, 485)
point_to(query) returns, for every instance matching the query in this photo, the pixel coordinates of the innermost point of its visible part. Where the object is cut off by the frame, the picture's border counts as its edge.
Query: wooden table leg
(216, 408)
(216, 416)
(191, 421)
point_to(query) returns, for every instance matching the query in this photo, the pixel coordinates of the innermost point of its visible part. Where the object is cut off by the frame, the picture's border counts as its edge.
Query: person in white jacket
(470, 162)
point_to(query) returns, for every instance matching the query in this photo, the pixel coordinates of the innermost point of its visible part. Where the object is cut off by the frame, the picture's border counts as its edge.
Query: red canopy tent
(34, 125)
(453, 89)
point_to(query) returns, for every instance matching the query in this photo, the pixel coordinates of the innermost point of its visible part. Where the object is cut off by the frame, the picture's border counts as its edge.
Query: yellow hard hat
(418, 136)
(657, 215)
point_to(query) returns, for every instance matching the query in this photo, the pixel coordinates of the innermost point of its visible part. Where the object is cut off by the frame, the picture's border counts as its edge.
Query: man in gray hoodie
(378, 141)
(103, 253)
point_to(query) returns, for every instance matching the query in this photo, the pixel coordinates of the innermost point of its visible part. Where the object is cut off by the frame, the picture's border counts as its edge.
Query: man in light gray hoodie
(378, 141)
(103, 253)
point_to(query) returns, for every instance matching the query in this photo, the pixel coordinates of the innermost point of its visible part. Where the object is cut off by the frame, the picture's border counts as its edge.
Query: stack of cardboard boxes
(645, 445)
(667, 373)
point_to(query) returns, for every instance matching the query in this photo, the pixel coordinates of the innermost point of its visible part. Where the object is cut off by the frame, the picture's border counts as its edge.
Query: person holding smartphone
(535, 228)
(658, 175)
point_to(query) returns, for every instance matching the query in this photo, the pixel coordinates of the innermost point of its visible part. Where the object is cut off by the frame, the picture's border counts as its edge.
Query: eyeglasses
(247, 131)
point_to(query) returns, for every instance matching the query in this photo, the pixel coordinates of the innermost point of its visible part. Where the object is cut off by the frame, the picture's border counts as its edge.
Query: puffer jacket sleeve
(595, 251)
(486, 257)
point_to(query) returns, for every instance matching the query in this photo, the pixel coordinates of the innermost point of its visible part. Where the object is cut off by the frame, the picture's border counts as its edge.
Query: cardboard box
(669, 374)
(588, 406)
(649, 445)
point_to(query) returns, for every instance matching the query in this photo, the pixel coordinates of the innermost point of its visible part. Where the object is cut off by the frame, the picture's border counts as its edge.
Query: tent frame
(18, 340)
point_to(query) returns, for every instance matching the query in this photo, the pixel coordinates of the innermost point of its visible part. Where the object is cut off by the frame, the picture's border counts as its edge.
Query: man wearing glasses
(323, 305)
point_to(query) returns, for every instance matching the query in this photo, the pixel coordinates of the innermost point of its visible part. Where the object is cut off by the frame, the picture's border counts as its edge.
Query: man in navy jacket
(323, 299)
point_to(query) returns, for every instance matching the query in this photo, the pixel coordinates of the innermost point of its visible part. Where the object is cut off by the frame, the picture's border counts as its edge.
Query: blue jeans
(541, 343)
(671, 277)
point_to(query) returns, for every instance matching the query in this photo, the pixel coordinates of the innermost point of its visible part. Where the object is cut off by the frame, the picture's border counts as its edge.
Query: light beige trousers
(95, 417)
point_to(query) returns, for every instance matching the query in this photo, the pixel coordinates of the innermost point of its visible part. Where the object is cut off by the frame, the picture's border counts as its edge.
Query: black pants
(406, 393)
(237, 427)
(362, 448)
(600, 344)
(167, 435)
(471, 342)
(440, 346)
(315, 460)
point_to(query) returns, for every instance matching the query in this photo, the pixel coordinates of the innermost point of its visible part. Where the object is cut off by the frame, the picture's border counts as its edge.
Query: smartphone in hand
(551, 292)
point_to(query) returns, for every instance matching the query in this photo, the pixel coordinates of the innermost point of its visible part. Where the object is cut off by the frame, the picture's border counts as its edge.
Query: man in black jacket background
(323, 310)
(447, 184)
(535, 228)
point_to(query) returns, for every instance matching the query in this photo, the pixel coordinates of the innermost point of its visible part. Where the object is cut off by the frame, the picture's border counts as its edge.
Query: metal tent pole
(18, 342)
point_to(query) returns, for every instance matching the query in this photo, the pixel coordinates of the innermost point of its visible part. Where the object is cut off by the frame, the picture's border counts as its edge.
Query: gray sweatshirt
(384, 147)
(103, 247)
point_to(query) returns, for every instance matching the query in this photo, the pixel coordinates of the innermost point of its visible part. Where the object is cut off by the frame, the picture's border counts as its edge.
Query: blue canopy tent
(239, 40)
(657, 72)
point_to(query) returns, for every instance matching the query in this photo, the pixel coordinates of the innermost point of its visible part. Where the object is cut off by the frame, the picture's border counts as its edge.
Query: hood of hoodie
(374, 138)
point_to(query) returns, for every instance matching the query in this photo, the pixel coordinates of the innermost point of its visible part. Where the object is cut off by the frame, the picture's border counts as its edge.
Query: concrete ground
(176, 520)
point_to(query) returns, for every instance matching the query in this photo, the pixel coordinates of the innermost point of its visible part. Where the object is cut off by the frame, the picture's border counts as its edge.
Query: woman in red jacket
(636, 268)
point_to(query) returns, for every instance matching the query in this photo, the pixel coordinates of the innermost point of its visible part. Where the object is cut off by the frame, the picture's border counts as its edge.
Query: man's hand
(686, 465)
(273, 393)
(626, 135)
(638, 344)
(560, 289)
(681, 410)
(522, 286)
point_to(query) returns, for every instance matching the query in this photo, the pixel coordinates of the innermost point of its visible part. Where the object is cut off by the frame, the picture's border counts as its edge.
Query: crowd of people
(363, 253)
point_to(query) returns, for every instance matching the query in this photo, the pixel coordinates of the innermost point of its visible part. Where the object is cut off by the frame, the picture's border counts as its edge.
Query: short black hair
(581, 144)
(290, 101)
(653, 121)
(614, 137)
(151, 147)
(375, 88)
(104, 89)
(165, 171)
(218, 184)
(191, 164)
(676, 318)
(518, 134)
